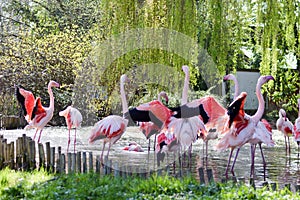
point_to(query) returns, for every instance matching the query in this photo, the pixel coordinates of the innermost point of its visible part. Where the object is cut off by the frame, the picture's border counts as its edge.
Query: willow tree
(137, 37)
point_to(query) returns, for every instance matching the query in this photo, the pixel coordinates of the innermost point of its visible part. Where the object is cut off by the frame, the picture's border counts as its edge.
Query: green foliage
(40, 185)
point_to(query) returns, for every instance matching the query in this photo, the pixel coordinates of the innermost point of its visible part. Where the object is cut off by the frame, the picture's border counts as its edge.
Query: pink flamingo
(261, 134)
(243, 127)
(133, 146)
(111, 128)
(284, 125)
(73, 118)
(150, 128)
(297, 127)
(36, 114)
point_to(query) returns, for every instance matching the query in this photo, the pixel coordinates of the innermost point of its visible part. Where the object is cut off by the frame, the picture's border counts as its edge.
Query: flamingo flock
(174, 129)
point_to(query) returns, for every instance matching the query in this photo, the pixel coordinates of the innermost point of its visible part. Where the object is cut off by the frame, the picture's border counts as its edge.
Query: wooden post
(73, 166)
(62, 163)
(58, 162)
(106, 170)
(4, 153)
(84, 163)
(69, 163)
(1, 154)
(201, 175)
(288, 186)
(48, 156)
(252, 182)
(33, 154)
(12, 155)
(78, 162)
(52, 159)
(91, 168)
(210, 176)
(297, 188)
(98, 164)
(116, 169)
(41, 156)
(274, 186)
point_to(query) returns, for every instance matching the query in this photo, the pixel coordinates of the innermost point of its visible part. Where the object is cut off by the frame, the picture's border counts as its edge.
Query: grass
(41, 185)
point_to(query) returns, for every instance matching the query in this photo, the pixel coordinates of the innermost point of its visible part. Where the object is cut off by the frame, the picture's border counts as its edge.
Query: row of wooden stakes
(21, 155)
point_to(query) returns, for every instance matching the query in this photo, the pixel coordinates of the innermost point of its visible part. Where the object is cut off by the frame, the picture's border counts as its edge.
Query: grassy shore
(42, 185)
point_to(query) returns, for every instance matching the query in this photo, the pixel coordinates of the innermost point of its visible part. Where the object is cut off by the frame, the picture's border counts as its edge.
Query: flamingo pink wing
(28, 102)
(38, 111)
(267, 124)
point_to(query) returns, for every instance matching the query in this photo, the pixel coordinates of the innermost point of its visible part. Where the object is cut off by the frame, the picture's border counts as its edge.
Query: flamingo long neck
(236, 87)
(261, 104)
(123, 98)
(159, 97)
(184, 98)
(51, 106)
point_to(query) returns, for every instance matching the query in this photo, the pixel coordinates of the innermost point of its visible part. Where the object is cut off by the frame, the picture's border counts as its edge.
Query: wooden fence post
(69, 163)
(41, 155)
(98, 164)
(12, 155)
(201, 175)
(91, 169)
(48, 156)
(210, 175)
(73, 164)
(62, 163)
(52, 159)
(58, 161)
(78, 162)
(84, 163)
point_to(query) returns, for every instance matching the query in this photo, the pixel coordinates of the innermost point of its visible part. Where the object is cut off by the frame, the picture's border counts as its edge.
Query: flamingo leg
(35, 134)
(228, 163)
(253, 148)
(75, 140)
(286, 148)
(40, 136)
(68, 142)
(264, 161)
(232, 167)
(289, 144)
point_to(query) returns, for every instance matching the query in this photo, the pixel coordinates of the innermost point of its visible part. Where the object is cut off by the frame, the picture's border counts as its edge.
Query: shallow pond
(281, 168)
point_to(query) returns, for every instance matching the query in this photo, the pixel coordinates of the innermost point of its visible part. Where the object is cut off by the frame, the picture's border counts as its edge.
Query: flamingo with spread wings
(35, 113)
(112, 127)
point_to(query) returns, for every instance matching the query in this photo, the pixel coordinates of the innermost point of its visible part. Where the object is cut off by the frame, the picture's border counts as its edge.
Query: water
(281, 168)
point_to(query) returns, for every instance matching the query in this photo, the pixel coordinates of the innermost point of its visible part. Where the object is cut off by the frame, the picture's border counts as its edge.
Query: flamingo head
(53, 84)
(124, 78)
(282, 113)
(264, 79)
(164, 95)
(228, 77)
(185, 69)
(65, 112)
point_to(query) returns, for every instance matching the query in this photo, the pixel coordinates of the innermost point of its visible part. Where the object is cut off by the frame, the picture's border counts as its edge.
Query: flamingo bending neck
(261, 103)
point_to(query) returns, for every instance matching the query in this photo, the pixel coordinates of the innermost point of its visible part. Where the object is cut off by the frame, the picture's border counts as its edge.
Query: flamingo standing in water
(35, 113)
(244, 127)
(284, 125)
(263, 131)
(111, 127)
(73, 118)
(297, 127)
